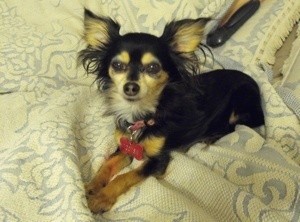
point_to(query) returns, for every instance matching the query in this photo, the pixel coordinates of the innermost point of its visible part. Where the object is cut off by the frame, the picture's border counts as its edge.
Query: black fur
(185, 115)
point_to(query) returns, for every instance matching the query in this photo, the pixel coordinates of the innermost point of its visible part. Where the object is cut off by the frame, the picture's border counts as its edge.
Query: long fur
(155, 80)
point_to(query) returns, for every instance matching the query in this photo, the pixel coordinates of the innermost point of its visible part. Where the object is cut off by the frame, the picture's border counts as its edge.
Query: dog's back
(209, 109)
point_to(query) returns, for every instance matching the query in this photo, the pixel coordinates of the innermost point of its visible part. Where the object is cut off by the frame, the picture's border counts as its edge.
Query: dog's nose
(131, 88)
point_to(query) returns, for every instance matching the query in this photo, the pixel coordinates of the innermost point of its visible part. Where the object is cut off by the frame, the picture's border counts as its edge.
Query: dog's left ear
(184, 36)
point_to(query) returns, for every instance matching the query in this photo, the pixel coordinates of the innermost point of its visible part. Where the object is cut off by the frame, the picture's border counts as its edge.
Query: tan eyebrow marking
(148, 58)
(123, 57)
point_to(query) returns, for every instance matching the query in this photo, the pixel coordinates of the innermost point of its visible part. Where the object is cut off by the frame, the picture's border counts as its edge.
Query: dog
(160, 102)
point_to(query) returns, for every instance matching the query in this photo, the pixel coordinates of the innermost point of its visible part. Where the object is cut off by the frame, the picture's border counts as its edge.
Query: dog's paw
(93, 188)
(101, 202)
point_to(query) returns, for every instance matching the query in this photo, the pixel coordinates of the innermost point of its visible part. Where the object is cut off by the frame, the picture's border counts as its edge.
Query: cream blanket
(54, 137)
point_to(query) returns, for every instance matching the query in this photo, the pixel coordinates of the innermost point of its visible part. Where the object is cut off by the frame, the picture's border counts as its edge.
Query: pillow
(292, 63)
(289, 89)
(151, 16)
(262, 35)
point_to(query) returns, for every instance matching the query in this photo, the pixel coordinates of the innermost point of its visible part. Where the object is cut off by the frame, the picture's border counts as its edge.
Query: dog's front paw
(94, 187)
(98, 182)
(101, 202)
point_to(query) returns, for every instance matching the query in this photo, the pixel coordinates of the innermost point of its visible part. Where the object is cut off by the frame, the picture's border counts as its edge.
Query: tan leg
(107, 196)
(233, 118)
(111, 167)
(105, 199)
(103, 193)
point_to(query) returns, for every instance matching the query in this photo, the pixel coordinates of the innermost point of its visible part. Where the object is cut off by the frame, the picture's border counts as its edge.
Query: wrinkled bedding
(54, 136)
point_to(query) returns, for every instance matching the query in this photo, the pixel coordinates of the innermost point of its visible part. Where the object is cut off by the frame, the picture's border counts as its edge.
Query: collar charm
(130, 146)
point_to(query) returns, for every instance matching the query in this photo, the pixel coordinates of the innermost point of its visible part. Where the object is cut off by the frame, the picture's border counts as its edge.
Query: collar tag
(131, 148)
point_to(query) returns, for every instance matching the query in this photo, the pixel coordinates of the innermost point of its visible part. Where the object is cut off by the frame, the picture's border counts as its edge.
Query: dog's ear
(99, 31)
(184, 36)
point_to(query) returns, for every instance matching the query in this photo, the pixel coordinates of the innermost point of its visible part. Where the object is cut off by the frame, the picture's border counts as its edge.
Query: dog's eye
(119, 66)
(153, 68)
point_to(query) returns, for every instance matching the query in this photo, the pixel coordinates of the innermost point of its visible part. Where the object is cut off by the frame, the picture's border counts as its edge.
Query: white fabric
(53, 136)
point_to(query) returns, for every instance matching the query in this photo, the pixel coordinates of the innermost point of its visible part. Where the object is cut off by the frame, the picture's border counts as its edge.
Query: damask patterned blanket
(54, 136)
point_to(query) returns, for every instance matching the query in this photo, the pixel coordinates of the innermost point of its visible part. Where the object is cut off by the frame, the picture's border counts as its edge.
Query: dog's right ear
(99, 31)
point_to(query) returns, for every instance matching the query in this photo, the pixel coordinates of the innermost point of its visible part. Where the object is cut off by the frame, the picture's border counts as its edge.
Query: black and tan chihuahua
(159, 100)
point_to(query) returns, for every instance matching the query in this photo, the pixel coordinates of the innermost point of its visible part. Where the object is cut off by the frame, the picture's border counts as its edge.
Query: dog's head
(134, 68)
